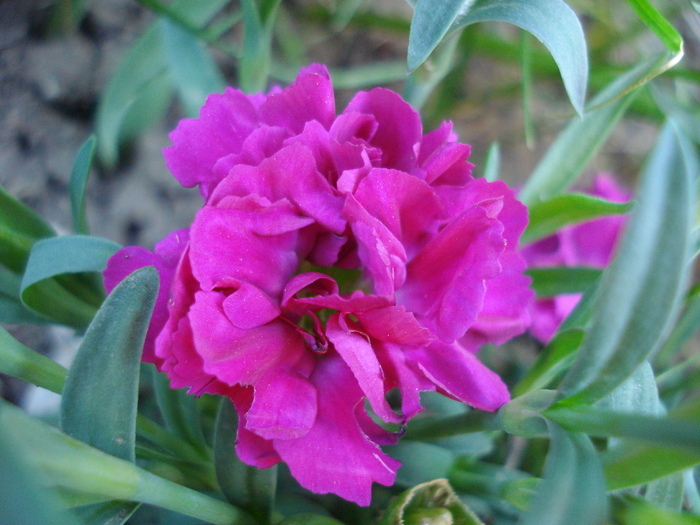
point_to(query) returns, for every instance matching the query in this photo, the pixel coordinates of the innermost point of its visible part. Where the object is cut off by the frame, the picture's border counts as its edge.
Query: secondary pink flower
(335, 258)
(589, 244)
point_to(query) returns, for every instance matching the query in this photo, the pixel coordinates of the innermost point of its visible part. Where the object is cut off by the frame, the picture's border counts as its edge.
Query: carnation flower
(589, 244)
(335, 258)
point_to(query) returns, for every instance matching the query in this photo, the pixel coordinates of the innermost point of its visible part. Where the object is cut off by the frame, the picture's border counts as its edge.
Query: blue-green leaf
(179, 411)
(23, 499)
(69, 299)
(101, 391)
(194, 71)
(248, 487)
(551, 21)
(255, 61)
(573, 148)
(142, 69)
(641, 290)
(551, 215)
(78, 184)
(573, 490)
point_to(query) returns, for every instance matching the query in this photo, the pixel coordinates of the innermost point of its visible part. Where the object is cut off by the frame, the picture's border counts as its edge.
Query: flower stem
(473, 421)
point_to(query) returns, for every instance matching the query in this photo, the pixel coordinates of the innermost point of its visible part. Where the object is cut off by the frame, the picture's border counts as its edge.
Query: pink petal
(249, 307)
(399, 126)
(248, 241)
(356, 350)
(165, 259)
(336, 455)
(460, 374)
(382, 254)
(284, 406)
(225, 121)
(310, 97)
(399, 375)
(504, 314)
(446, 281)
(406, 205)
(393, 324)
(289, 174)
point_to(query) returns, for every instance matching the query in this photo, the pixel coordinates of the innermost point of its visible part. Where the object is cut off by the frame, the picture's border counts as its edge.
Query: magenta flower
(335, 258)
(590, 244)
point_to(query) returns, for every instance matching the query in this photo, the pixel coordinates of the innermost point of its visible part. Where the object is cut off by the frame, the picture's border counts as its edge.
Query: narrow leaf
(551, 215)
(573, 487)
(101, 391)
(557, 280)
(20, 227)
(179, 411)
(73, 299)
(72, 464)
(19, 361)
(194, 71)
(651, 263)
(571, 151)
(431, 21)
(23, 499)
(78, 184)
(552, 361)
(248, 487)
(492, 163)
(553, 23)
(140, 68)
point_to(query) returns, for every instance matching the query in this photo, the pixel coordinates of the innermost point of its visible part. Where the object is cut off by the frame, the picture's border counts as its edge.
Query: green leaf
(420, 462)
(69, 299)
(141, 73)
(248, 487)
(71, 464)
(194, 71)
(23, 499)
(557, 280)
(431, 22)
(12, 311)
(659, 25)
(100, 397)
(573, 490)
(551, 21)
(310, 519)
(550, 216)
(573, 148)
(633, 463)
(19, 361)
(552, 361)
(254, 66)
(634, 511)
(652, 263)
(20, 227)
(179, 411)
(78, 184)
(101, 391)
(429, 503)
(686, 326)
(492, 163)
(422, 82)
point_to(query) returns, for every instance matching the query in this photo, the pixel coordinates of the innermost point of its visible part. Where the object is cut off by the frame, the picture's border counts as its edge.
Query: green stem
(473, 421)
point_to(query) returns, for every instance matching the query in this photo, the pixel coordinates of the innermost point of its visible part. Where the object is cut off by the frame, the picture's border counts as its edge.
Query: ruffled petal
(459, 374)
(309, 97)
(356, 350)
(224, 122)
(165, 260)
(399, 128)
(446, 281)
(344, 460)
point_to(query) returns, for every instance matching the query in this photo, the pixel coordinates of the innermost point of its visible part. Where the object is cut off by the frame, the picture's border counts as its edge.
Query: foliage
(603, 426)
